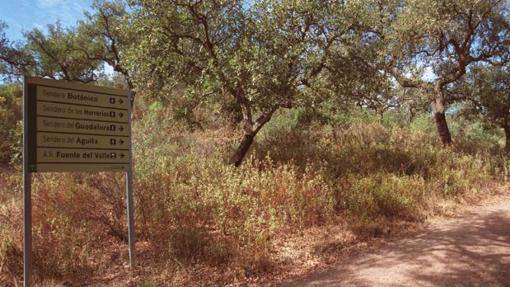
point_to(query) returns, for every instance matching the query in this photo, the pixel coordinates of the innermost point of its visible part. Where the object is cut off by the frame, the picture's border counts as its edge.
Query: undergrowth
(193, 209)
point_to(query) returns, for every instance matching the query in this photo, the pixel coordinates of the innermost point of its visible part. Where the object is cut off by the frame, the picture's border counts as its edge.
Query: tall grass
(193, 209)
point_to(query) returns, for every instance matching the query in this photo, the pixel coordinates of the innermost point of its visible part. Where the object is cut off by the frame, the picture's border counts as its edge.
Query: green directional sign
(77, 127)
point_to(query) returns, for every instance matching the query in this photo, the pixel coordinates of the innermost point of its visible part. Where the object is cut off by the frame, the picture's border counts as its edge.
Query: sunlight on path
(473, 250)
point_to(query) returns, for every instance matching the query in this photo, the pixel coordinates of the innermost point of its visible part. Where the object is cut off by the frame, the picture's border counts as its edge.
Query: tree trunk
(242, 150)
(442, 128)
(251, 129)
(439, 113)
(412, 115)
(507, 137)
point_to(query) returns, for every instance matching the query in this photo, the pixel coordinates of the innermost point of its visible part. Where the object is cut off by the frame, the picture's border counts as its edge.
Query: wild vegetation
(256, 122)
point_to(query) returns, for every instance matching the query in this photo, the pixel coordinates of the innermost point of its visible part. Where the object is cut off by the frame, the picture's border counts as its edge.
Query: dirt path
(471, 250)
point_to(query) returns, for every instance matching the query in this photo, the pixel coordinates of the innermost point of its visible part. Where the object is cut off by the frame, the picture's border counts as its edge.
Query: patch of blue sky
(24, 15)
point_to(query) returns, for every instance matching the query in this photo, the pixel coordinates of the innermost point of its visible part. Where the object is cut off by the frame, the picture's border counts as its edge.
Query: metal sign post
(74, 127)
(129, 191)
(27, 195)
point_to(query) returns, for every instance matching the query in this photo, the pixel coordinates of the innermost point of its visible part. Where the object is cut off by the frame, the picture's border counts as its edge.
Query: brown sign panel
(77, 127)
(45, 139)
(59, 155)
(79, 112)
(50, 124)
(49, 94)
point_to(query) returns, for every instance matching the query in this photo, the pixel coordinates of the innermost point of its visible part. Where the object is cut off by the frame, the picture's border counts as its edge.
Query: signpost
(70, 127)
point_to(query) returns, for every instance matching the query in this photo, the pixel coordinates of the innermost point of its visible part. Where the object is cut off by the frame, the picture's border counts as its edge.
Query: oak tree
(443, 38)
(260, 56)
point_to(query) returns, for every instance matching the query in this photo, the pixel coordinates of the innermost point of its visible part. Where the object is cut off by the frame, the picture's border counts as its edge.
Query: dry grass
(303, 197)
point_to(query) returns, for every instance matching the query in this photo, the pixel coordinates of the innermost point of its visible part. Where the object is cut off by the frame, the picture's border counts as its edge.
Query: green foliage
(423, 123)
(10, 122)
(229, 56)
(433, 30)
(63, 54)
(488, 88)
(283, 122)
(107, 29)
(14, 58)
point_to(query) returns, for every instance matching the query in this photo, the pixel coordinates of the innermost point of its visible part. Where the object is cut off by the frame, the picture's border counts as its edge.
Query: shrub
(386, 195)
(10, 122)
(193, 209)
(247, 205)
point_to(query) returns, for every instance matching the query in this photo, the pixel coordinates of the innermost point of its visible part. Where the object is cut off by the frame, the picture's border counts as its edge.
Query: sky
(24, 15)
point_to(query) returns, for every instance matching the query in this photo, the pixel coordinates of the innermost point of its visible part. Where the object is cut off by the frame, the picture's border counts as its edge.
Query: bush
(386, 195)
(194, 211)
(248, 206)
(10, 123)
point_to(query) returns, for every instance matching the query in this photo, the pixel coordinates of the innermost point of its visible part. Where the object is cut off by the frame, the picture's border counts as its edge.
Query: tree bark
(439, 114)
(242, 149)
(442, 128)
(251, 130)
(506, 127)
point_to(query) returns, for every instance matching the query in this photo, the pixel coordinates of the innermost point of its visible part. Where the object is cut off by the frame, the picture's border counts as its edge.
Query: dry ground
(472, 249)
